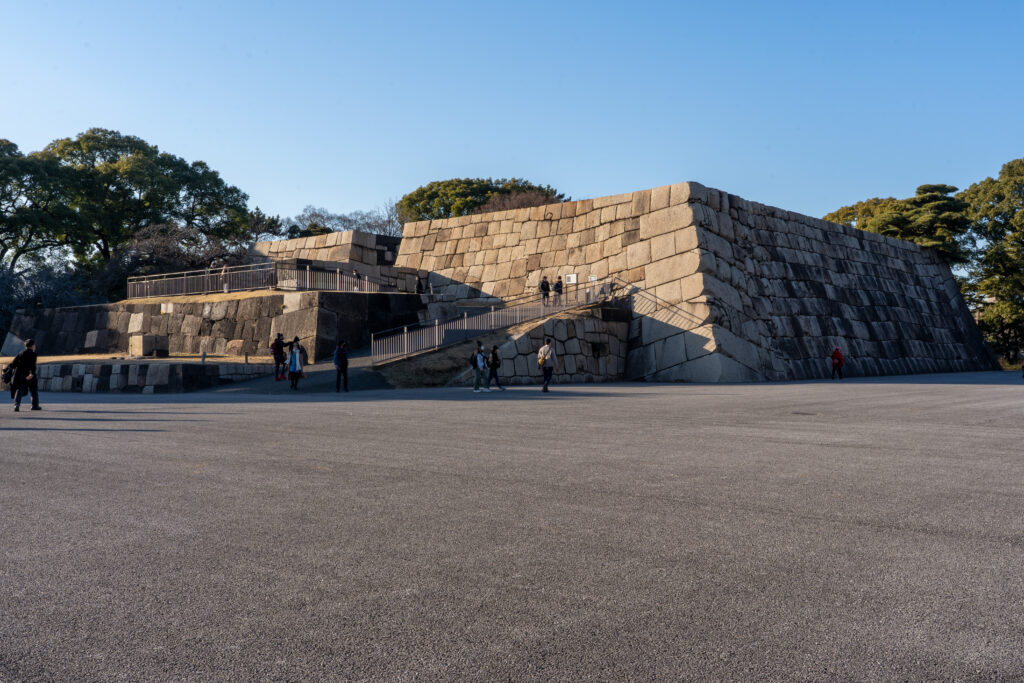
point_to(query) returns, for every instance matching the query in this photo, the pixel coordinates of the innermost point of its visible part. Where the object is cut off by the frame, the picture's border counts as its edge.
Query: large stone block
(135, 324)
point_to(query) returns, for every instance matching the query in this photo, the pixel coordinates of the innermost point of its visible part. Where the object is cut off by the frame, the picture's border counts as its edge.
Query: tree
(933, 218)
(460, 196)
(997, 275)
(513, 200)
(34, 211)
(318, 221)
(128, 185)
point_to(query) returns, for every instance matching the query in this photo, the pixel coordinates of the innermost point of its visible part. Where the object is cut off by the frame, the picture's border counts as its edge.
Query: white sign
(593, 278)
(570, 279)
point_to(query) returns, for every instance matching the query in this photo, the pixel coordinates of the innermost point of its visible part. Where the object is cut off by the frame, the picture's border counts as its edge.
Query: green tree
(461, 196)
(129, 185)
(933, 218)
(997, 274)
(34, 211)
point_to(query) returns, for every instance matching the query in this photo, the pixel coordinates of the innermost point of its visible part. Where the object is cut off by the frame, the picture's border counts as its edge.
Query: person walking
(493, 363)
(296, 360)
(545, 290)
(558, 290)
(25, 376)
(280, 359)
(837, 363)
(341, 365)
(479, 363)
(548, 361)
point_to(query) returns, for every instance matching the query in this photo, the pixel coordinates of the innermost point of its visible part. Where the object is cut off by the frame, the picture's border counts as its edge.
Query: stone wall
(591, 346)
(350, 245)
(733, 290)
(144, 378)
(245, 324)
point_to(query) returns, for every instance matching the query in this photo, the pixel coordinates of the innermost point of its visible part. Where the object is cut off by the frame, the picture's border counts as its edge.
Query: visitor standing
(837, 363)
(548, 361)
(493, 363)
(341, 366)
(25, 376)
(545, 290)
(558, 290)
(479, 363)
(280, 360)
(296, 360)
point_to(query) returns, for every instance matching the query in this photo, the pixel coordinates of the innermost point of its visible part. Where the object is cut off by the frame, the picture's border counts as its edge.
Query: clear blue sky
(804, 105)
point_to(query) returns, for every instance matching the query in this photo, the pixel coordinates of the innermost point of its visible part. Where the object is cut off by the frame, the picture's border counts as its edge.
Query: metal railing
(257, 276)
(389, 345)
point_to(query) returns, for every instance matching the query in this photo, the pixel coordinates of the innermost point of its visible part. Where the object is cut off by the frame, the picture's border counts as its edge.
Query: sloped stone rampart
(744, 291)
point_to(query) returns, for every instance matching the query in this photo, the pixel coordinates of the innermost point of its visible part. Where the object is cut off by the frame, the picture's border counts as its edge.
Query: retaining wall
(144, 378)
(748, 291)
(242, 325)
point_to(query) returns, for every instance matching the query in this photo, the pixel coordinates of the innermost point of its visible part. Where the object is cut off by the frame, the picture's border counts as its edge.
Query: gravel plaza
(865, 529)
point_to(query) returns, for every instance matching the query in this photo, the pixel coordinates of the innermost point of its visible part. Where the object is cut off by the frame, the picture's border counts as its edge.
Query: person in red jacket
(837, 363)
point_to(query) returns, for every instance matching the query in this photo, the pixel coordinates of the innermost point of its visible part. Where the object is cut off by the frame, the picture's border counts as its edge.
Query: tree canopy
(980, 231)
(933, 218)
(461, 196)
(111, 204)
(997, 273)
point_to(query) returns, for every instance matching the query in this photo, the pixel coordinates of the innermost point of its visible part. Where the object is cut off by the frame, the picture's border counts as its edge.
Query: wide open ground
(866, 529)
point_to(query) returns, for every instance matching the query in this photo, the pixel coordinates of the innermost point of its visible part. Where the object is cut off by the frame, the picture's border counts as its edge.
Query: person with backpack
(25, 376)
(558, 290)
(545, 290)
(478, 361)
(494, 362)
(341, 365)
(837, 363)
(280, 360)
(548, 361)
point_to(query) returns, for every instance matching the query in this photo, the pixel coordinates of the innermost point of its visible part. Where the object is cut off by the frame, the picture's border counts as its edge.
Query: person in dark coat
(493, 363)
(545, 290)
(558, 290)
(280, 359)
(25, 376)
(341, 365)
(837, 363)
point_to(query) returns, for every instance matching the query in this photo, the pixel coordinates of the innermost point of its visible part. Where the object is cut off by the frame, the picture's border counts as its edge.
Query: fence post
(338, 271)
(491, 320)
(437, 333)
(405, 341)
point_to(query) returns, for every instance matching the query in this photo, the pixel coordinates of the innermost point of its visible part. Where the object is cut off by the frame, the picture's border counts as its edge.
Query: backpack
(8, 375)
(472, 361)
(542, 357)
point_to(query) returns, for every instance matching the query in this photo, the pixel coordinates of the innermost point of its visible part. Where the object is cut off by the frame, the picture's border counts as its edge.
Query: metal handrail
(272, 275)
(659, 303)
(211, 270)
(389, 345)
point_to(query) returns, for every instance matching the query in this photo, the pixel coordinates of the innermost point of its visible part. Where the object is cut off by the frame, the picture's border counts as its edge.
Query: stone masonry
(244, 324)
(142, 378)
(732, 290)
(591, 346)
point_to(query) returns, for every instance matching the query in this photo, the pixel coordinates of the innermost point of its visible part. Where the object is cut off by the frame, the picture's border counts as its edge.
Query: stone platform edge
(144, 378)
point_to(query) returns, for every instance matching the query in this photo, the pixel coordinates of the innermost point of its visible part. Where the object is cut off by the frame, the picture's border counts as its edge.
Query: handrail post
(405, 340)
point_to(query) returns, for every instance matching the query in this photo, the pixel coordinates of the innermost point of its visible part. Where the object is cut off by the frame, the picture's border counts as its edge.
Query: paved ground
(857, 530)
